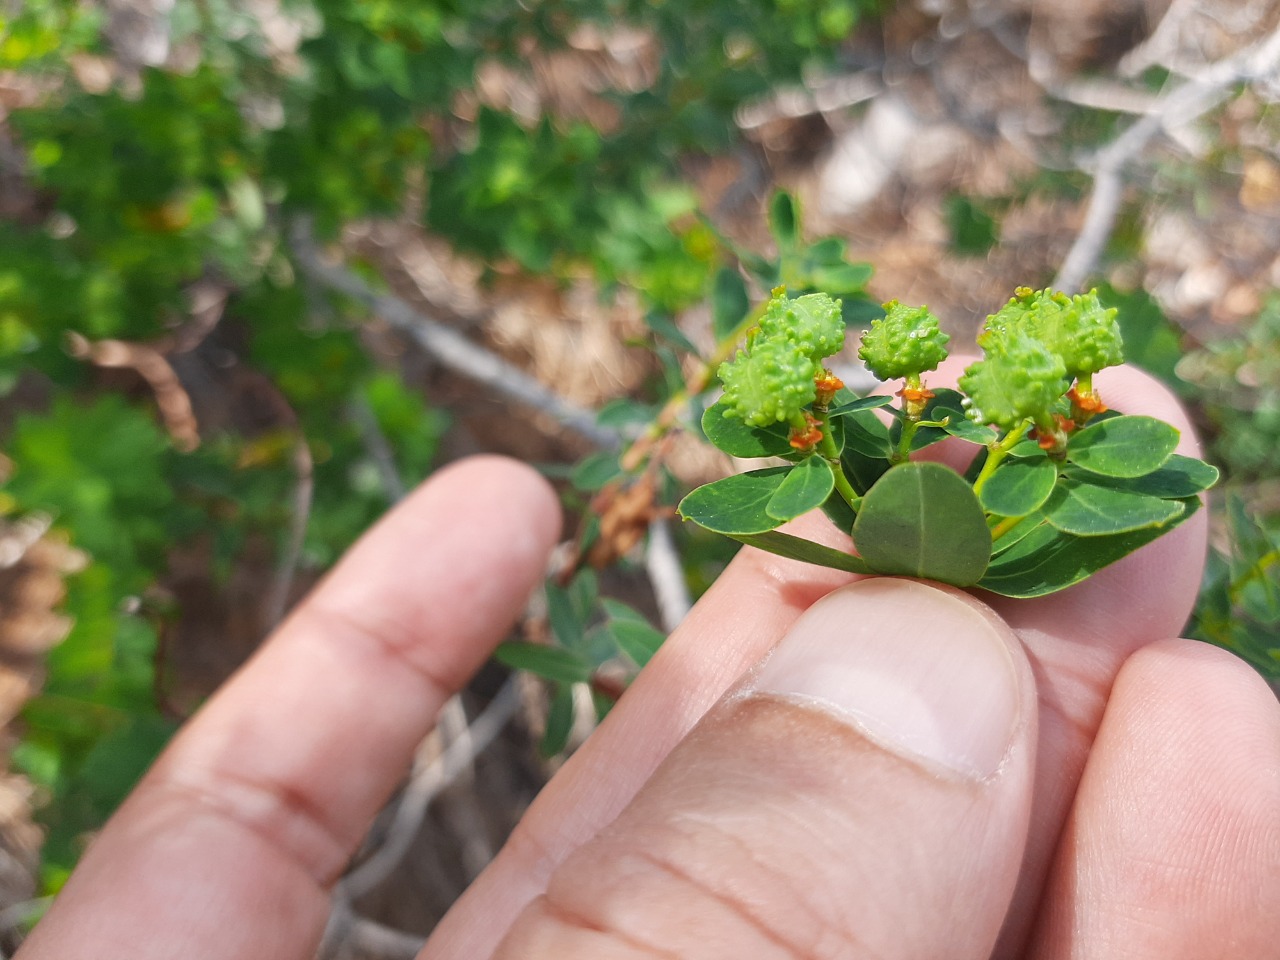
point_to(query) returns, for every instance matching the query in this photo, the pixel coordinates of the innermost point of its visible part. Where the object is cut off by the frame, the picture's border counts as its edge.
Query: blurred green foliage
(140, 190)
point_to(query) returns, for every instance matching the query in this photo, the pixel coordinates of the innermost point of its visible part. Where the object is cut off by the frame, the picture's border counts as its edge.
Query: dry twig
(1185, 104)
(300, 516)
(425, 785)
(448, 346)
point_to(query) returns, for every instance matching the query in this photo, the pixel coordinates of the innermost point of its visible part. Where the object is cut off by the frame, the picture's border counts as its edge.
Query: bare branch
(1185, 104)
(448, 346)
(425, 786)
(666, 573)
(349, 934)
(291, 553)
(379, 450)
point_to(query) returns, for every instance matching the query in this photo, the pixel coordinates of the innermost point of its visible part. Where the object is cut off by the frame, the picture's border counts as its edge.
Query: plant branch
(349, 934)
(666, 573)
(291, 553)
(447, 346)
(1190, 101)
(425, 785)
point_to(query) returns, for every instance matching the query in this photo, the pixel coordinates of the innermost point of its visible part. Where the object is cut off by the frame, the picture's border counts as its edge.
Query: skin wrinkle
(735, 906)
(327, 858)
(815, 918)
(573, 919)
(388, 644)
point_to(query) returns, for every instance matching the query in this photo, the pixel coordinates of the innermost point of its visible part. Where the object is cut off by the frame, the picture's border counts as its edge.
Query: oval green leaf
(958, 425)
(784, 220)
(862, 403)
(1086, 510)
(804, 488)
(866, 434)
(1179, 477)
(553, 663)
(923, 520)
(737, 439)
(1048, 560)
(1018, 487)
(595, 470)
(729, 302)
(841, 279)
(1123, 446)
(735, 505)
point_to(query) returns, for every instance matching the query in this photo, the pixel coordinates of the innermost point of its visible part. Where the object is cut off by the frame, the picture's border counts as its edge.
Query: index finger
(229, 845)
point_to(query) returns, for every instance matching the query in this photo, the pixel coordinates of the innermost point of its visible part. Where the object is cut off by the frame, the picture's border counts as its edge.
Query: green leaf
(841, 279)
(923, 520)
(665, 327)
(638, 641)
(797, 548)
(559, 722)
(735, 505)
(732, 435)
(784, 220)
(862, 470)
(1123, 446)
(1095, 511)
(1047, 560)
(805, 488)
(729, 303)
(553, 663)
(1019, 487)
(595, 470)
(1025, 527)
(839, 512)
(858, 405)
(959, 425)
(1179, 477)
(865, 433)
(1028, 450)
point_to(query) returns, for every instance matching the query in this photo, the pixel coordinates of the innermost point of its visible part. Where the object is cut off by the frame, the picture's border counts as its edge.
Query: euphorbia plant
(1060, 486)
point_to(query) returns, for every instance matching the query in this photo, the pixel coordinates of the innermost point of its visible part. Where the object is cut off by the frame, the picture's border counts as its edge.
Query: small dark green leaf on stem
(1019, 487)
(553, 663)
(729, 302)
(805, 488)
(735, 505)
(1094, 511)
(737, 439)
(1123, 446)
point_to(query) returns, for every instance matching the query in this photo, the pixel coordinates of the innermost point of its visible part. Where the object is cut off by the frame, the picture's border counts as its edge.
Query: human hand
(909, 773)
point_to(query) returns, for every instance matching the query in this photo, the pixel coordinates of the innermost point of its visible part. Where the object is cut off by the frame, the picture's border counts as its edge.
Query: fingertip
(500, 483)
(1173, 846)
(1196, 690)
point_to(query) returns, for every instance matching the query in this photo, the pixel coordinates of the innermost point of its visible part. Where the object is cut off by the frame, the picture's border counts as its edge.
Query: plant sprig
(1060, 486)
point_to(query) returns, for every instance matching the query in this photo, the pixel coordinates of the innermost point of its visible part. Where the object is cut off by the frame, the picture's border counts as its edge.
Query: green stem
(997, 450)
(827, 448)
(1084, 384)
(1004, 526)
(903, 452)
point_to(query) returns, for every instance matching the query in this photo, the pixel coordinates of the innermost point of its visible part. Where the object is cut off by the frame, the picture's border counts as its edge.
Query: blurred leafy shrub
(154, 181)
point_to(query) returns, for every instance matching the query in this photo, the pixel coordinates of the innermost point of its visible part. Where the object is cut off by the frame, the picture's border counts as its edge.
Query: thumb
(864, 792)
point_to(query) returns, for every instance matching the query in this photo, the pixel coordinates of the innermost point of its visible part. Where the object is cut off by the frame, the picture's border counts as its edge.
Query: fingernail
(921, 672)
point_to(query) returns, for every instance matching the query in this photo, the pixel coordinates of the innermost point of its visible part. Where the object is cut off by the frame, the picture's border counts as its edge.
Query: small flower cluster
(779, 372)
(1034, 348)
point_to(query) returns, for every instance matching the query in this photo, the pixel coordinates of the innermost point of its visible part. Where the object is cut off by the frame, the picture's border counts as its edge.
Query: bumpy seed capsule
(904, 342)
(813, 323)
(1018, 378)
(770, 384)
(1078, 329)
